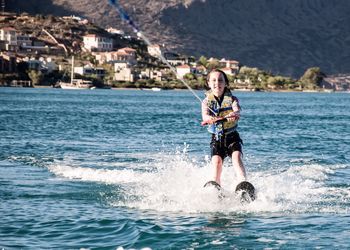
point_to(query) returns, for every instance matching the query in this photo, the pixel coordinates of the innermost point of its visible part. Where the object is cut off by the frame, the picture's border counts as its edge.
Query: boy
(221, 111)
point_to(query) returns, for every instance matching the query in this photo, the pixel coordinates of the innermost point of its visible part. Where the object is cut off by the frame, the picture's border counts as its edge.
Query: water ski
(213, 184)
(246, 191)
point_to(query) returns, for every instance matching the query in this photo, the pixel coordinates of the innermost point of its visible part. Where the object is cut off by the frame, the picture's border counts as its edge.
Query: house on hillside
(245, 84)
(115, 31)
(229, 64)
(212, 60)
(124, 72)
(85, 70)
(24, 40)
(46, 65)
(125, 54)
(182, 70)
(90, 71)
(154, 50)
(73, 17)
(338, 83)
(175, 59)
(154, 74)
(201, 70)
(9, 36)
(229, 71)
(93, 42)
(104, 57)
(230, 67)
(78, 19)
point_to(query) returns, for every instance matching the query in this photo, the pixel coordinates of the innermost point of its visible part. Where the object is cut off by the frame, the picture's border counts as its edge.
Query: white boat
(75, 83)
(156, 89)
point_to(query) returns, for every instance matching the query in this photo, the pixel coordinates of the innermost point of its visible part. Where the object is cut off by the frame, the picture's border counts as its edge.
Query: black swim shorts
(227, 145)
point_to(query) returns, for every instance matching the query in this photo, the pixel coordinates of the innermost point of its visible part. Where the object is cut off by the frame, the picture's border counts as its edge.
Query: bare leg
(216, 161)
(238, 165)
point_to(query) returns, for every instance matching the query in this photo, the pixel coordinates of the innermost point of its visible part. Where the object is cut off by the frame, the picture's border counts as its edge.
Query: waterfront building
(93, 42)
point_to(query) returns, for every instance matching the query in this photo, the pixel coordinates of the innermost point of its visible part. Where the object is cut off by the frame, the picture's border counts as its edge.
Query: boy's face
(217, 83)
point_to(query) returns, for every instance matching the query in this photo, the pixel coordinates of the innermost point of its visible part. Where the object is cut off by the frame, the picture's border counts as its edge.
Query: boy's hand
(232, 117)
(212, 120)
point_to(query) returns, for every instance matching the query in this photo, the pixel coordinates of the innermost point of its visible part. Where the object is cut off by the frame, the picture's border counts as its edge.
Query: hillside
(66, 31)
(284, 37)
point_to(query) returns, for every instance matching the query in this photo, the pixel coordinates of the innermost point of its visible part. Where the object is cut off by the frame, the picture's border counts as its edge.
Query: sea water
(125, 169)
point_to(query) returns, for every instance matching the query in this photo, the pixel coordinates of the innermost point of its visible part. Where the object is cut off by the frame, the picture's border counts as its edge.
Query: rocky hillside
(284, 37)
(62, 32)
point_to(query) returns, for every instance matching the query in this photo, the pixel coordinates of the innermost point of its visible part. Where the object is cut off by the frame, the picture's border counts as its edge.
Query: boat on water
(75, 83)
(156, 89)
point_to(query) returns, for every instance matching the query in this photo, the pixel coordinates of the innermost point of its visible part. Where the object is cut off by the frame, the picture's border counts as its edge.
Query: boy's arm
(236, 110)
(207, 118)
(205, 111)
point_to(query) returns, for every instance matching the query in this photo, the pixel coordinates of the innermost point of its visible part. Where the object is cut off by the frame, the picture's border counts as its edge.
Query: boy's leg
(216, 161)
(238, 165)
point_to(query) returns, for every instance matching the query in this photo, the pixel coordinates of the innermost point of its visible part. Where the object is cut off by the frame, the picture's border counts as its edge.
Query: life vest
(215, 109)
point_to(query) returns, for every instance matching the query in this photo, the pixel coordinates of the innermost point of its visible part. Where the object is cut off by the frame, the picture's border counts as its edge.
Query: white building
(84, 70)
(183, 70)
(8, 34)
(115, 31)
(125, 75)
(157, 75)
(123, 72)
(154, 50)
(175, 59)
(88, 70)
(229, 64)
(93, 42)
(73, 17)
(230, 71)
(120, 65)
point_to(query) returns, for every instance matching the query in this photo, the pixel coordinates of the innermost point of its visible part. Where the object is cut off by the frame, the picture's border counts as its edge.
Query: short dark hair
(219, 71)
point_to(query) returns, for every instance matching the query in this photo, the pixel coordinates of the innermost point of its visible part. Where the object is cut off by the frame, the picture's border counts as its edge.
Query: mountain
(284, 37)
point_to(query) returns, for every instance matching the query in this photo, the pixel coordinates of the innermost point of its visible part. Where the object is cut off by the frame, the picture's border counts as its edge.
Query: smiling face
(217, 83)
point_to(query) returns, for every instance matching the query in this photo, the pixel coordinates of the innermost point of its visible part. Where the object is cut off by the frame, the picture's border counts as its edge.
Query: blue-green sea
(125, 169)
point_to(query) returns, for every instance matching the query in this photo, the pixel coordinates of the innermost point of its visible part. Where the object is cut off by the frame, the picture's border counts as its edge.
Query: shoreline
(182, 89)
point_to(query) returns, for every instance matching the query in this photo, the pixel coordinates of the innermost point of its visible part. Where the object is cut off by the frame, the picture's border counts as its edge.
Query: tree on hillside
(213, 64)
(109, 76)
(22, 68)
(278, 82)
(249, 71)
(312, 77)
(189, 76)
(35, 76)
(203, 61)
(202, 82)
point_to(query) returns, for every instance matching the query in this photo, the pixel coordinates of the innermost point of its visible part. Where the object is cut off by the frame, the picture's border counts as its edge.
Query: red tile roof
(184, 66)
(8, 29)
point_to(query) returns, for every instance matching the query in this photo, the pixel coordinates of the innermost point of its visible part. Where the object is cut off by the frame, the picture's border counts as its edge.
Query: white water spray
(178, 187)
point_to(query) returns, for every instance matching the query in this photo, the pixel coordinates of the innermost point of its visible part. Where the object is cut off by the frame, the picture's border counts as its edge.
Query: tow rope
(124, 16)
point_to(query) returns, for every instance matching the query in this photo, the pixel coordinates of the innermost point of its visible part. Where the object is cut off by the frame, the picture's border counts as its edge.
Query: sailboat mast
(72, 71)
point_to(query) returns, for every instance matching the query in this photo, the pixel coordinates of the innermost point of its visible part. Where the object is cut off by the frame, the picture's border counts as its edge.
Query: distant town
(71, 52)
